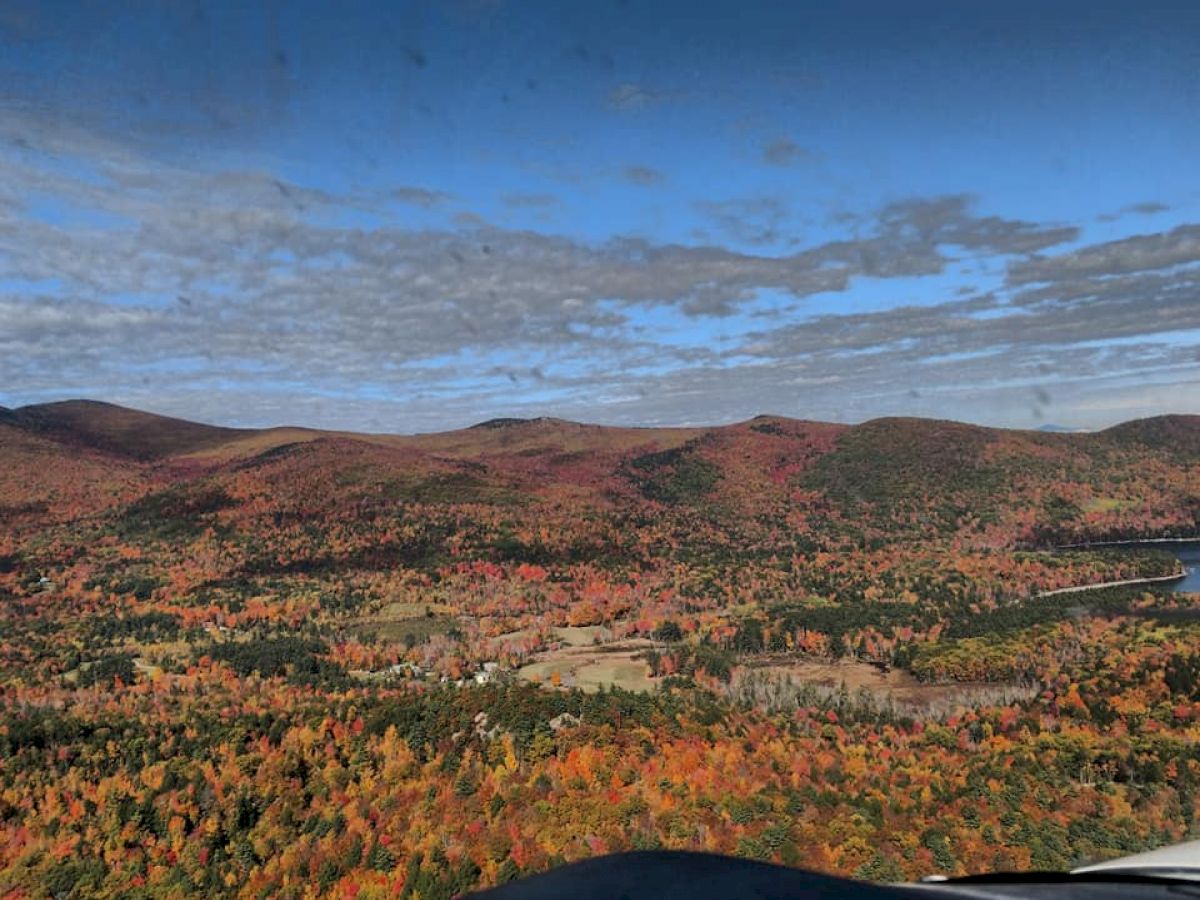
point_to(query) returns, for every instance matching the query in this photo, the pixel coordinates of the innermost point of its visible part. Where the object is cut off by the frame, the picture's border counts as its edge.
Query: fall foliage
(290, 663)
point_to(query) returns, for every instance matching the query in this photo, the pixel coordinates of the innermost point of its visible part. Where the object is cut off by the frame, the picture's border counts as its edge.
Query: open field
(236, 674)
(895, 685)
(590, 667)
(572, 636)
(1106, 504)
(397, 620)
(619, 664)
(581, 636)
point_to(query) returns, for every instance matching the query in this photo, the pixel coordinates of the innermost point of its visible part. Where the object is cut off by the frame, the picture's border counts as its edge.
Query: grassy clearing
(898, 686)
(627, 673)
(581, 636)
(421, 628)
(398, 610)
(1106, 504)
(590, 668)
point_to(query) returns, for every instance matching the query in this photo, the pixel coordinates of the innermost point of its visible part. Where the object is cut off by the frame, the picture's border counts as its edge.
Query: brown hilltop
(1175, 433)
(927, 443)
(142, 436)
(118, 430)
(878, 480)
(878, 457)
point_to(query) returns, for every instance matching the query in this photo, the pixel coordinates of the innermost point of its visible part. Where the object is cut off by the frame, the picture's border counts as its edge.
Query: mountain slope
(44, 481)
(117, 430)
(883, 481)
(1179, 435)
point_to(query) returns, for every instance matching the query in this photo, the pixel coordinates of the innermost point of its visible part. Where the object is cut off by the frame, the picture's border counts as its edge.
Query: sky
(414, 216)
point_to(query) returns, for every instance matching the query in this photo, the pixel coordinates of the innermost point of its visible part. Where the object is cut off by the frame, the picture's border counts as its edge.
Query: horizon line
(1047, 428)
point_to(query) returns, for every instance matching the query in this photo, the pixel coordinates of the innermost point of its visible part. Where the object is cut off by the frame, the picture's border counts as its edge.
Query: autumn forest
(295, 663)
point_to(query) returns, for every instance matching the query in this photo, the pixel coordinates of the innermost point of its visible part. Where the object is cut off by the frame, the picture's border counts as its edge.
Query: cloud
(529, 201)
(751, 220)
(631, 97)
(1147, 208)
(1138, 253)
(784, 152)
(948, 220)
(643, 176)
(419, 196)
(1000, 388)
(987, 324)
(197, 293)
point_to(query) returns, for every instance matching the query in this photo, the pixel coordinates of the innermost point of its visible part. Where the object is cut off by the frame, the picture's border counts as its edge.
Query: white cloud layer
(242, 298)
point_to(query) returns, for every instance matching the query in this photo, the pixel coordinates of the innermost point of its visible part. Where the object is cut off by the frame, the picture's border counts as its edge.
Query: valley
(288, 662)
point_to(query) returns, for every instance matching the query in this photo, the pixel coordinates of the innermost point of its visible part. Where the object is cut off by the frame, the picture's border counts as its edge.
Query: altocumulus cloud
(242, 296)
(643, 176)
(784, 152)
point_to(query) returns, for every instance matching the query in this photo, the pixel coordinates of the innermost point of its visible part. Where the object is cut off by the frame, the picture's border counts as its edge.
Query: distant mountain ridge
(149, 437)
(118, 430)
(823, 484)
(1051, 428)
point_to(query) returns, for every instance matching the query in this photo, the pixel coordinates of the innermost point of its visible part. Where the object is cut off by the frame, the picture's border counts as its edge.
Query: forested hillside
(299, 663)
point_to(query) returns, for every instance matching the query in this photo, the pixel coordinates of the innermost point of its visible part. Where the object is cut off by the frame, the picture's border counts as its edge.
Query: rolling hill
(116, 430)
(235, 656)
(882, 480)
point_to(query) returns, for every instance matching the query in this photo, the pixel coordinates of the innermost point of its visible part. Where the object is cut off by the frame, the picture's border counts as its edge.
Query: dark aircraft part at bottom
(672, 875)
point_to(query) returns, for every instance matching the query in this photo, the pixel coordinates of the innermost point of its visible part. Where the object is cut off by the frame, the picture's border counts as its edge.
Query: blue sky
(413, 216)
